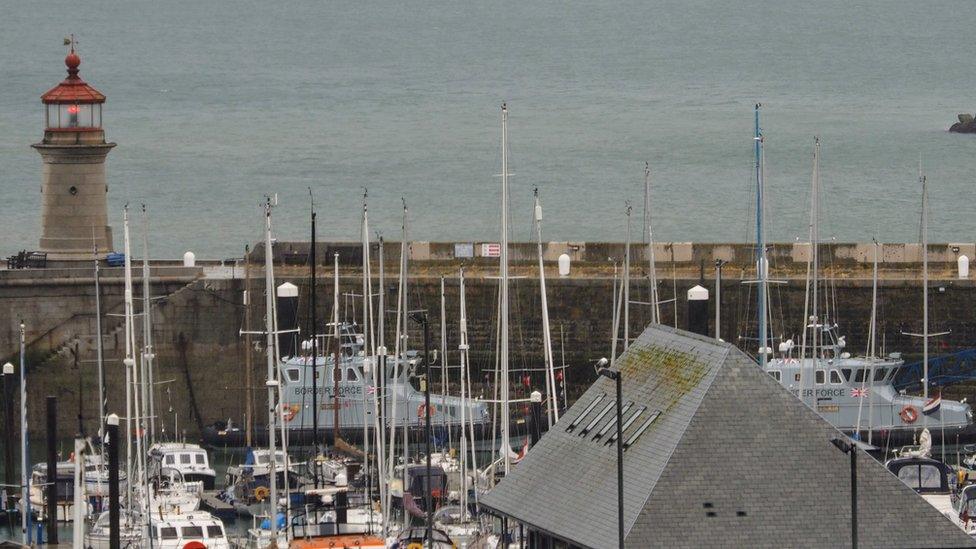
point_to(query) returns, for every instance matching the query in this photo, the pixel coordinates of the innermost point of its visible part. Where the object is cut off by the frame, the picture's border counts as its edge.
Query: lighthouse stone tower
(74, 216)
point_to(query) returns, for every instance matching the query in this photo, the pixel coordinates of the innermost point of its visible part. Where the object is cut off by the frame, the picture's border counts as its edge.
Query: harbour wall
(198, 314)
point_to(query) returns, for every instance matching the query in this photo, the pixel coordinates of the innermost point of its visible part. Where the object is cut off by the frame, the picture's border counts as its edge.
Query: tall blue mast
(760, 243)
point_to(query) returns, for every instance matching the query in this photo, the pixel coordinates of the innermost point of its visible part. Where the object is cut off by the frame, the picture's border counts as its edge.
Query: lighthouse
(74, 193)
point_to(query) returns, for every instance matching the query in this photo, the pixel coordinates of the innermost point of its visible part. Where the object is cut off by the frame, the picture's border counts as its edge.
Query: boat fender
(261, 493)
(909, 414)
(195, 545)
(415, 545)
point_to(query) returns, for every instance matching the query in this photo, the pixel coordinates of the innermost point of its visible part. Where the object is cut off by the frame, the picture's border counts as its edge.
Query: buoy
(189, 259)
(909, 414)
(564, 262)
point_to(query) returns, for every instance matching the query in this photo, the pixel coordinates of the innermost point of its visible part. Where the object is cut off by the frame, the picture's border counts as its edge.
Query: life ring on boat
(422, 411)
(195, 545)
(909, 414)
(415, 545)
(261, 493)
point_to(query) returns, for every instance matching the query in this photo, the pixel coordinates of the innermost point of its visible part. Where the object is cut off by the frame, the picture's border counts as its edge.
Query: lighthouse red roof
(73, 89)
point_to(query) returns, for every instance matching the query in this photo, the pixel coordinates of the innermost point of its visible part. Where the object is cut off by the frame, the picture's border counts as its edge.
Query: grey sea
(215, 103)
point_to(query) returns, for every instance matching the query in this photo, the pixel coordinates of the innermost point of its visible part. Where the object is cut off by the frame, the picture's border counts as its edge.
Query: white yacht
(181, 531)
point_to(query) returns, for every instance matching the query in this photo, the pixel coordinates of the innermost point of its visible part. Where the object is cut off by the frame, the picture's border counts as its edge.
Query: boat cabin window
(880, 374)
(185, 459)
(835, 377)
(821, 376)
(859, 375)
(775, 374)
(214, 531)
(294, 375)
(796, 377)
(847, 373)
(192, 531)
(351, 373)
(168, 532)
(201, 459)
(922, 476)
(170, 459)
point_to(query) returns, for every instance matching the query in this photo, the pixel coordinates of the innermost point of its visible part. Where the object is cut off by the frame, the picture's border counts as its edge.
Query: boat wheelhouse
(930, 478)
(190, 460)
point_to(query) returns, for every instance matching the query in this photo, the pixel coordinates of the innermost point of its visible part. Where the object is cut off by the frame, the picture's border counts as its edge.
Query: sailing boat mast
(131, 405)
(815, 251)
(872, 347)
(148, 355)
(444, 379)
(504, 295)
(336, 370)
(313, 331)
(24, 463)
(248, 369)
(369, 338)
(761, 264)
(369, 343)
(652, 268)
(272, 382)
(98, 352)
(626, 281)
(463, 361)
(925, 294)
(546, 330)
(381, 306)
(398, 360)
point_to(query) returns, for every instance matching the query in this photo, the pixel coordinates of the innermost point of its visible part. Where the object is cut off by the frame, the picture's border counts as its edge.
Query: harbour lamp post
(8, 430)
(719, 263)
(615, 376)
(848, 447)
(420, 317)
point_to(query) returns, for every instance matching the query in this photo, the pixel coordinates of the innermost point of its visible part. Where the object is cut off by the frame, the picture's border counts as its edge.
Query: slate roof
(733, 459)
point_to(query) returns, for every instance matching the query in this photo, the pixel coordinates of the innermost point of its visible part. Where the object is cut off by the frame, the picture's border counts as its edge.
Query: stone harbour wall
(200, 313)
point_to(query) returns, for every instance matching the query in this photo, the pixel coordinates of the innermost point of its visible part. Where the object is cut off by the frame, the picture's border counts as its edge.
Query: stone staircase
(80, 329)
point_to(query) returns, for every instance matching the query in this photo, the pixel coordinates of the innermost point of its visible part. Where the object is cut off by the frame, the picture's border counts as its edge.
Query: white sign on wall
(491, 249)
(463, 250)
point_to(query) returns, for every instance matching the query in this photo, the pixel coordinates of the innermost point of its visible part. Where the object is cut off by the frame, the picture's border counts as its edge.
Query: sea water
(215, 104)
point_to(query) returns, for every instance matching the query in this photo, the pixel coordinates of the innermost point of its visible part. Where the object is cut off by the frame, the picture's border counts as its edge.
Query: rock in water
(966, 124)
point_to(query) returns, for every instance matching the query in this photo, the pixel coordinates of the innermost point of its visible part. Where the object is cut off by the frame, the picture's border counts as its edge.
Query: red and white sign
(492, 249)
